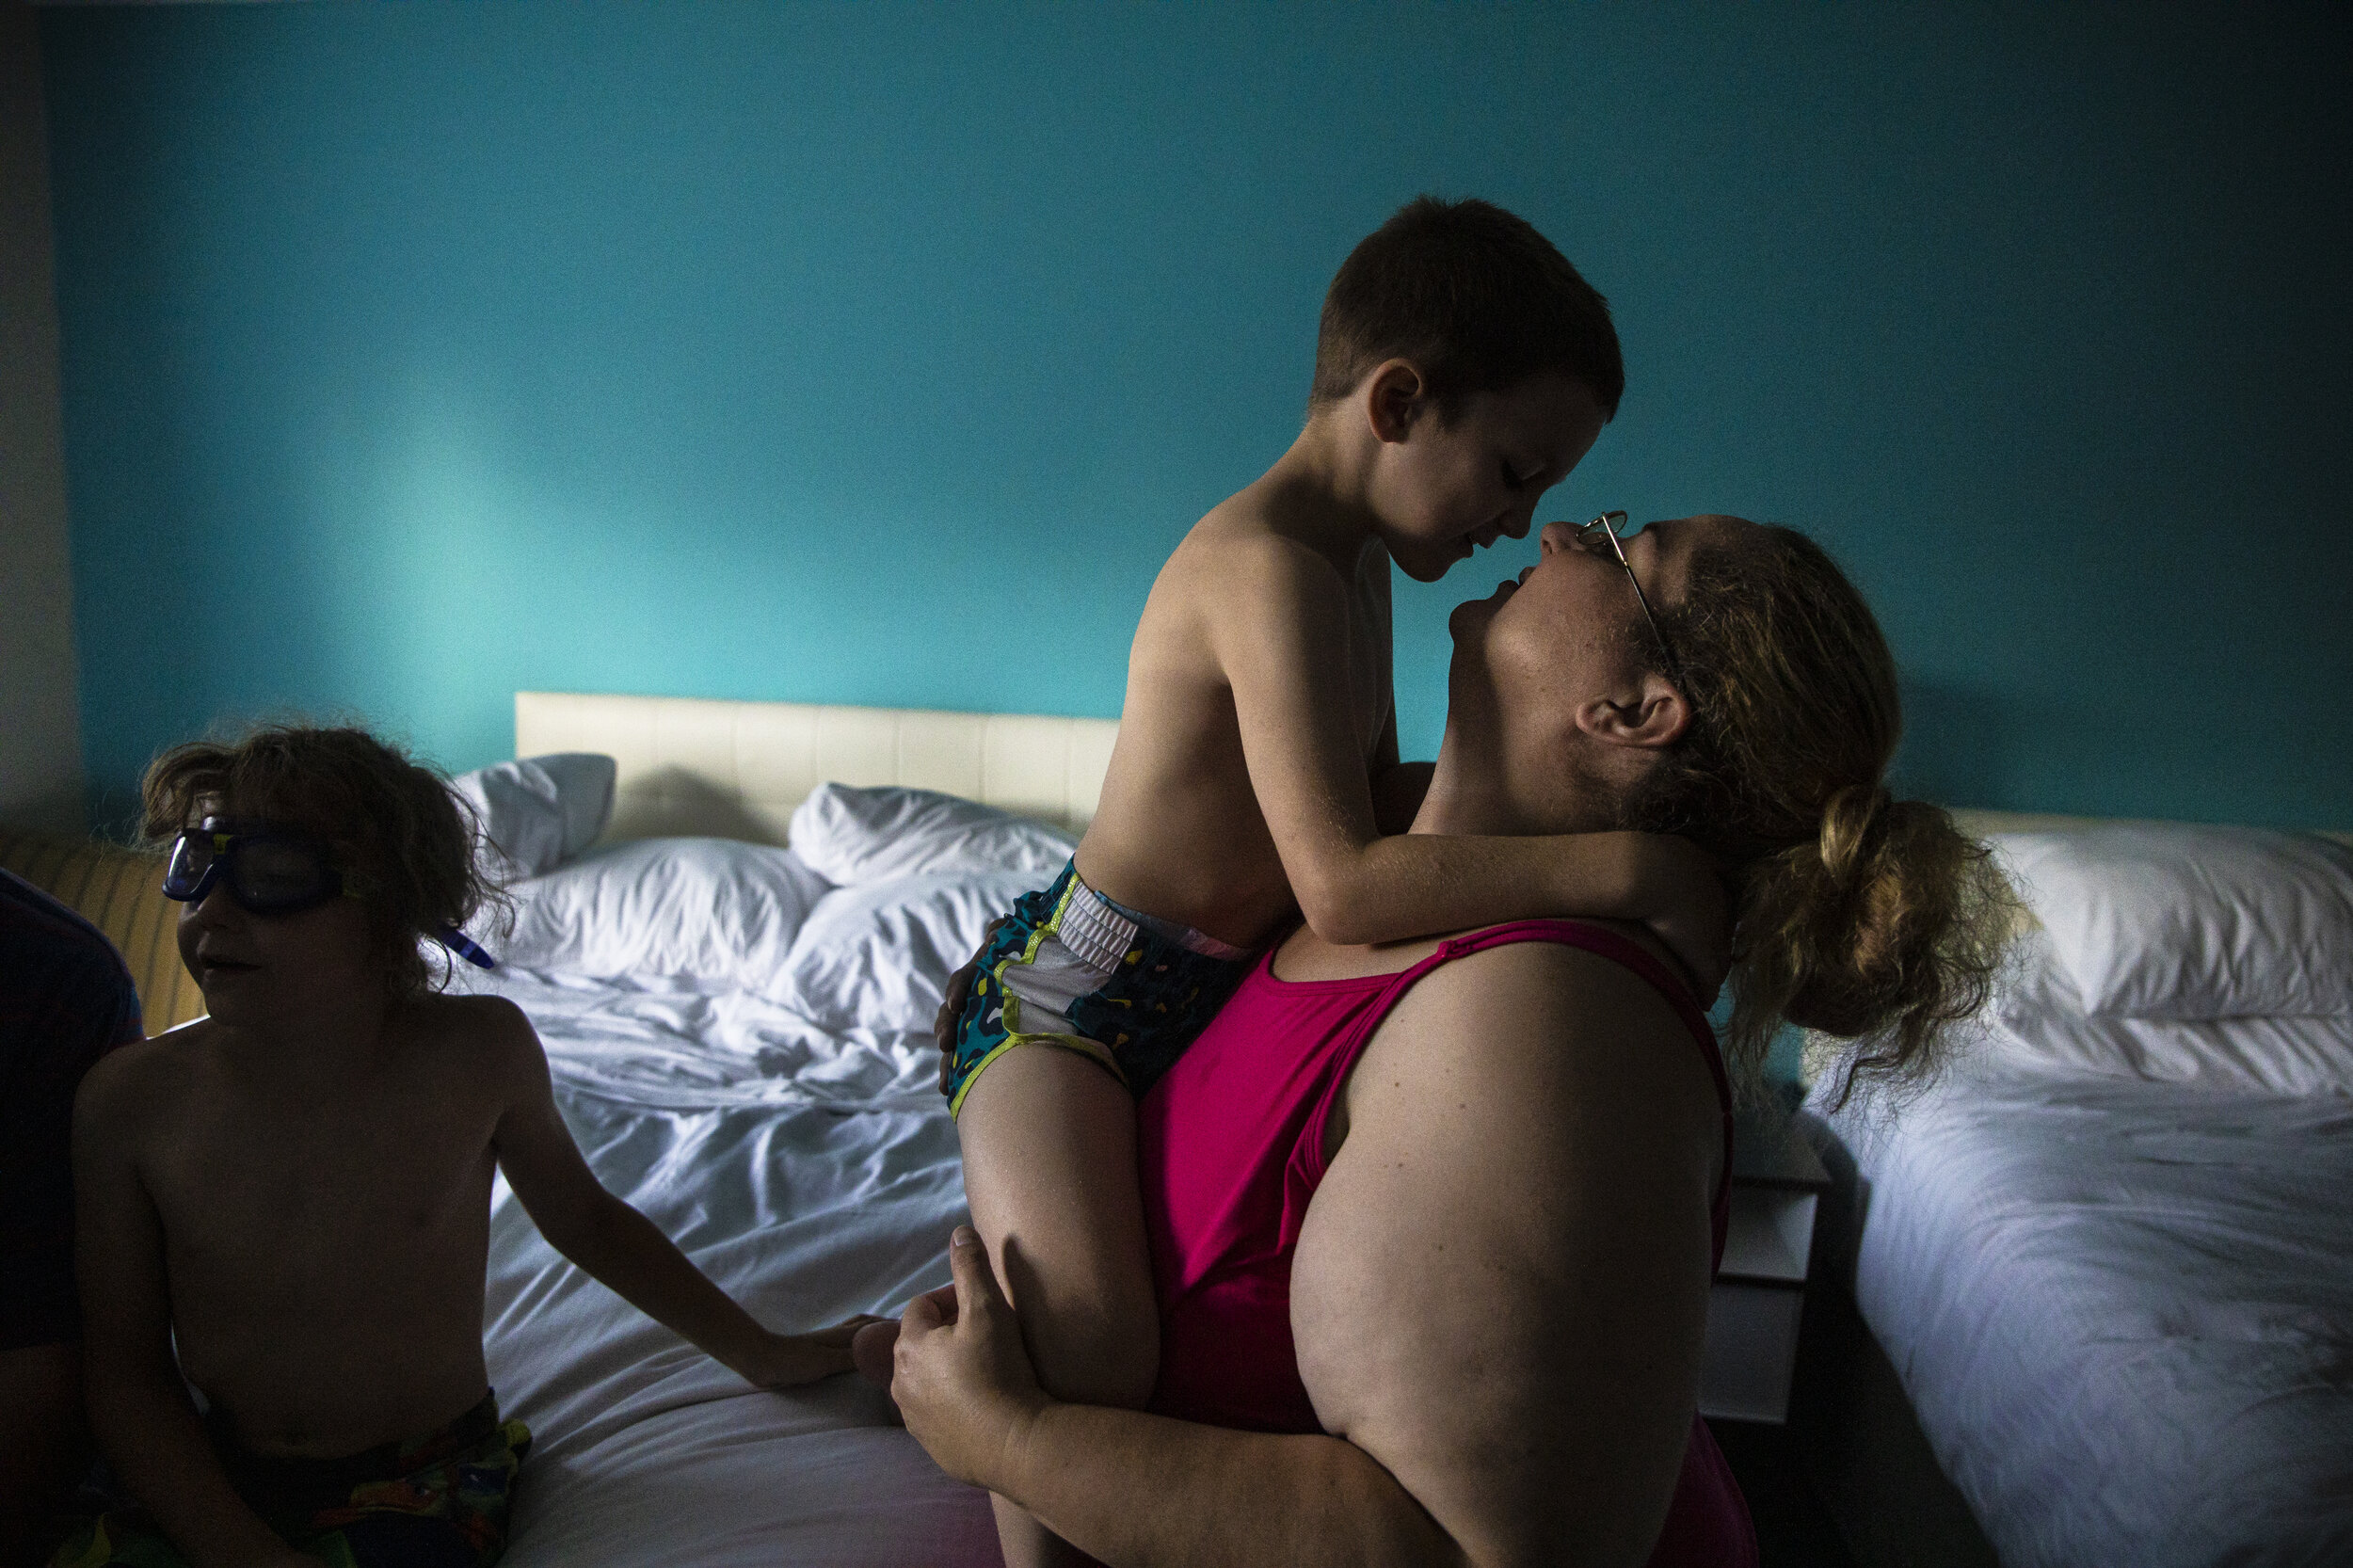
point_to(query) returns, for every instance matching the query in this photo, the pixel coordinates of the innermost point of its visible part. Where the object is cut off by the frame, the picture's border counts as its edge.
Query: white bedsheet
(2123, 1311)
(813, 1175)
(654, 1040)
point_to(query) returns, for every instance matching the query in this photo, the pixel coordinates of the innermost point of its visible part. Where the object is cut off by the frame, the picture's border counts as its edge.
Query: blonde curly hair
(1856, 914)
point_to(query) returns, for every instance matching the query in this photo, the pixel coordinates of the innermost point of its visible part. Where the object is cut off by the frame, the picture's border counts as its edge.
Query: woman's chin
(1473, 615)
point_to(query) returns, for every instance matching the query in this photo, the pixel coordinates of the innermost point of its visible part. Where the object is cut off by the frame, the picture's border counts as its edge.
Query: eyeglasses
(268, 873)
(1606, 527)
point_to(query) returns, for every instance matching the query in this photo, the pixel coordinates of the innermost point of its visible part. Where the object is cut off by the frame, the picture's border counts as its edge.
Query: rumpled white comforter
(655, 1041)
(813, 1174)
(2122, 1309)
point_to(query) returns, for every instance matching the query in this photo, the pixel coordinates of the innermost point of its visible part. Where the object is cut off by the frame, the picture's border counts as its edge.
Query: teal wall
(416, 353)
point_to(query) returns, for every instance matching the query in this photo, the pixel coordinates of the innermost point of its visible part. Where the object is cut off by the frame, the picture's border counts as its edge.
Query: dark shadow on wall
(673, 801)
(1959, 745)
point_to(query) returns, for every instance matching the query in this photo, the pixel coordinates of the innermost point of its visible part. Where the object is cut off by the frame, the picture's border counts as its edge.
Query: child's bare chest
(369, 1197)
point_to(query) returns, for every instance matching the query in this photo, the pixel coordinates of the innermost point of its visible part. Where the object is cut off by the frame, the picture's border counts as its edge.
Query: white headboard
(736, 770)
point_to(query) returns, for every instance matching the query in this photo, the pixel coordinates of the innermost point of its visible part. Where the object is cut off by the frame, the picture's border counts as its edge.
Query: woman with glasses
(1434, 1224)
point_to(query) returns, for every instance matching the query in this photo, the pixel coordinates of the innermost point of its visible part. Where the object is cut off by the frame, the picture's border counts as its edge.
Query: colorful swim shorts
(436, 1501)
(1069, 967)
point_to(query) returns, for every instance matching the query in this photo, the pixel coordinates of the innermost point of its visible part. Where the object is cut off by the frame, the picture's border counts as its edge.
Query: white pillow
(878, 956)
(2169, 921)
(2036, 1020)
(852, 836)
(538, 812)
(716, 909)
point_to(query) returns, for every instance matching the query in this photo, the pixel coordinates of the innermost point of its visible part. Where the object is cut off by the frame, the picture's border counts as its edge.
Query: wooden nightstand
(1759, 1294)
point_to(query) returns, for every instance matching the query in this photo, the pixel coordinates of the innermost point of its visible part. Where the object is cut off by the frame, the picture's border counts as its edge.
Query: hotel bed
(2110, 1255)
(741, 1044)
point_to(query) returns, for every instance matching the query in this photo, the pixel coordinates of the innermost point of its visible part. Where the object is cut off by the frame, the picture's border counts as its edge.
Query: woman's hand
(789, 1360)
(960, 1374)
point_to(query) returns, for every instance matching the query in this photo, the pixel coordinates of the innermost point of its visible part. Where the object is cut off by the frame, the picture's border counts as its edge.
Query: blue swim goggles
(270, 872)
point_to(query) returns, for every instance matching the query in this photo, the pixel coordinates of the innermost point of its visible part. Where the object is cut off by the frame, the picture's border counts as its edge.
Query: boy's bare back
(323, 1223)
(1259, 710)
(1178, 829)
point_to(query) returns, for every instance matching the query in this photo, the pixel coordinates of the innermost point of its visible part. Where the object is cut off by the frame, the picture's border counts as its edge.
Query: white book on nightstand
(1759, 1294)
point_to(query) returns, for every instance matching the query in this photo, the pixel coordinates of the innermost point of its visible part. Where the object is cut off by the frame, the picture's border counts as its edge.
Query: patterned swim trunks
(436, 1501)
(1069, 967)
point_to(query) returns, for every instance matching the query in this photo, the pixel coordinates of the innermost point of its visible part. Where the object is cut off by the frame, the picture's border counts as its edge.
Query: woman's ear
(1652, 718)
(1396, 396)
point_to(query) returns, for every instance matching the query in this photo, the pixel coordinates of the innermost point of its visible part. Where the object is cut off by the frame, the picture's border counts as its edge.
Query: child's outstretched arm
(624, 1248)
(139, 1408)
(1280, 635)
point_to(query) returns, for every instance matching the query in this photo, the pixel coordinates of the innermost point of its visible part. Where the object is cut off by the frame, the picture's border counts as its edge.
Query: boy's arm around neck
(138, 1406)
(1281, 638)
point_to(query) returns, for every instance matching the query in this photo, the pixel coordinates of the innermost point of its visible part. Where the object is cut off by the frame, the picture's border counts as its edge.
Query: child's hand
(789, 1360)
(959, 988)
(1684, 904)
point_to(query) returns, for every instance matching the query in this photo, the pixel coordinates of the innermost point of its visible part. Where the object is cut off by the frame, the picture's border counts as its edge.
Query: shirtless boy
(1462, 368)
(297, 1189)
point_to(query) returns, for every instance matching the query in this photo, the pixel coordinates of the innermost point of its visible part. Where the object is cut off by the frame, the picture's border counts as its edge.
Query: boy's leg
(1049, 1170)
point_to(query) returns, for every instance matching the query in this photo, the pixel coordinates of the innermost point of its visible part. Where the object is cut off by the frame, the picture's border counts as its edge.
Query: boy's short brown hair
(403, 840)
(1474, 298)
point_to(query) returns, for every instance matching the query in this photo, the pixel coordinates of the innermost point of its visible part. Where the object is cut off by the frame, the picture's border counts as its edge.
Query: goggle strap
(465, 947)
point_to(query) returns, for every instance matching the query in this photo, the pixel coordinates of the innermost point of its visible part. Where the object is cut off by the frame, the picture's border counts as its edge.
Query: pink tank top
(1231, 1148)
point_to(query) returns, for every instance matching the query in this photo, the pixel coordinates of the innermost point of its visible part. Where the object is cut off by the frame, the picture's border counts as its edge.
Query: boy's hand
(1679, 895)
(959, 988)
(789, 1360)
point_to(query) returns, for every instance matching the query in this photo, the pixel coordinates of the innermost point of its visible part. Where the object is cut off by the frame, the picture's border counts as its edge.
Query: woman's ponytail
(1889, 923)
(1856, 914)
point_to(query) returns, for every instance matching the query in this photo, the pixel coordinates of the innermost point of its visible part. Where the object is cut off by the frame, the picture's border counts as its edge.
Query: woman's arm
(1501, 1284)
(1497, 1300)
(1128, 1487)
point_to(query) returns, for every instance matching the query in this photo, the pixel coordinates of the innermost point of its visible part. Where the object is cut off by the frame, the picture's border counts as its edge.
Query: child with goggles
(294, 1190)
(268, 872)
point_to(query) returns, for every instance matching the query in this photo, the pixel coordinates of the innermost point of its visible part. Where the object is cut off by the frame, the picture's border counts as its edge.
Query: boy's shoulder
(463, 1011)
(131, 1079)
(489, 1030)
(1271, 515)
(1252, 545)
